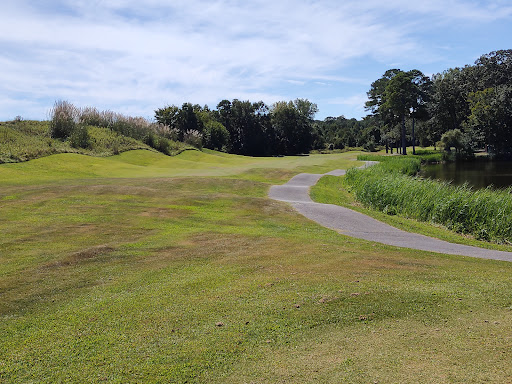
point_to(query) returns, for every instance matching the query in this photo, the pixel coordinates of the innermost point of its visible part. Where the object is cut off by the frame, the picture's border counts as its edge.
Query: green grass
(131, 272)
(425, 155)
(148, 164)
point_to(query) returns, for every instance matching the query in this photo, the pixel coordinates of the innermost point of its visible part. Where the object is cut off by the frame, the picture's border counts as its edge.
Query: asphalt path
(355, 224)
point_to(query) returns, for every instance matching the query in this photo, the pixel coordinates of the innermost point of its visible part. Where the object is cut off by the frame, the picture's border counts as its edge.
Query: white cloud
(353, 101)
(139, 55)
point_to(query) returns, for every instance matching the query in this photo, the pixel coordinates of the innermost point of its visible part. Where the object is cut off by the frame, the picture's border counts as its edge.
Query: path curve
(355, 224)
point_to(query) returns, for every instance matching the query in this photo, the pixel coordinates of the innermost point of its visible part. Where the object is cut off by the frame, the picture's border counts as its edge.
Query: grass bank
(390, 187)
(26, 140)
(131, 272)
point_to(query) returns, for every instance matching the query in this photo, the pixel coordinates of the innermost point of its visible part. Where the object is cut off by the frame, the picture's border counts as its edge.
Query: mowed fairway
(147, 268)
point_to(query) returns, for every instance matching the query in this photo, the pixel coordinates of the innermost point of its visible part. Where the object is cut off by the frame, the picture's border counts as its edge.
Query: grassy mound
(26, 140)
(152, 164)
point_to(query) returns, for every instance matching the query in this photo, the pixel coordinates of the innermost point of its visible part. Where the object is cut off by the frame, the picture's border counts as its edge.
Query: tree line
(466, 108)
(462, 108)
(244, 127)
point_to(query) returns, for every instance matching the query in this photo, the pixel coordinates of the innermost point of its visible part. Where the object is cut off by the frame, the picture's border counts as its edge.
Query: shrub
(215, 135)
(91, 116)
(163, 146)
(64, 116)
(167, 132)
(193, 138)
(150, 139)
(80, 137)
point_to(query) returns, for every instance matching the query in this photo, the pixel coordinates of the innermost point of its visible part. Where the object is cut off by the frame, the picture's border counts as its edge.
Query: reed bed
(486, 213)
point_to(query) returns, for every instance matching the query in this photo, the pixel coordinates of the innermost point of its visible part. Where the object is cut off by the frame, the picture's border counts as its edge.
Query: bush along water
(393, 188)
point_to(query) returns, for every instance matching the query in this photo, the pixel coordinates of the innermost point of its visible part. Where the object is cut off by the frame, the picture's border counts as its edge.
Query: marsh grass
(159, 278)
(390, 188)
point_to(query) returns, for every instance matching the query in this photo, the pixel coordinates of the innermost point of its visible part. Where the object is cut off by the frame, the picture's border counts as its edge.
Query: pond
(478, 174)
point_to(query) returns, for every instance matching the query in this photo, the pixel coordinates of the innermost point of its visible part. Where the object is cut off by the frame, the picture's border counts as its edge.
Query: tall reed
(391, 188)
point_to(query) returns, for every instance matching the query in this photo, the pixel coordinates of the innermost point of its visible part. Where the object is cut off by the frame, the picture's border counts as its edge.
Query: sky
(135, 56)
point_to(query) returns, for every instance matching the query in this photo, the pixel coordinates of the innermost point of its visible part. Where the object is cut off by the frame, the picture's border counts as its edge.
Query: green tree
(293, 125)
(168, 116)
(398, 95)
(215, 136)
(248, 125)
(490, 121)
(182, 119)
(448, 105)
(494, 69)
(420, 95)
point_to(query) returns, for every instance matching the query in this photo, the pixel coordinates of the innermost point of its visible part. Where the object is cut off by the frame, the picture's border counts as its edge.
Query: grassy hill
(142, 267)
(26, 140)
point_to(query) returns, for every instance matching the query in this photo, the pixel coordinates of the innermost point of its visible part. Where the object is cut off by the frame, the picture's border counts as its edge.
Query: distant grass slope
(139, 164)
(26, 140)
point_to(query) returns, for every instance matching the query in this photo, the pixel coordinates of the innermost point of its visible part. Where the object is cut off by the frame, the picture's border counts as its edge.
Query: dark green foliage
(245, 128)
(448, 106)
(462, 143)
(490, 120)
(248, 124)
(182, 119)
(293, 125)
(399, 95)
(341, 132)
(150, 139)
(163, 146)
(474, 99)
(215, 136)
(80, 137)
(493, 69)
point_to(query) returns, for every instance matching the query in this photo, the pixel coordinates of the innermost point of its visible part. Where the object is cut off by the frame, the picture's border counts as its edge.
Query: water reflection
(478, 174)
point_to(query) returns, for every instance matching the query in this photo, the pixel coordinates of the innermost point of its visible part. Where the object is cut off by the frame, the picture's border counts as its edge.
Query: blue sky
(134, 56)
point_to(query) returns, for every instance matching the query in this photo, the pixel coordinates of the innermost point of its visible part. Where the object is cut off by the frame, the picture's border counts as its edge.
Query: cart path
(355, 224)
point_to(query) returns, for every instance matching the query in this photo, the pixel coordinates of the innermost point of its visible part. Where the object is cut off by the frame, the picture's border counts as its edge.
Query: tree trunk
(413, 137)
(404, 148)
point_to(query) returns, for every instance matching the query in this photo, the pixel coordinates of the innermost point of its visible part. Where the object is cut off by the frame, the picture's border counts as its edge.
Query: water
(478, 174)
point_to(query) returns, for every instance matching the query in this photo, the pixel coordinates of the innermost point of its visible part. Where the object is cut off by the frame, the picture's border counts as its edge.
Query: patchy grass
(164, 278)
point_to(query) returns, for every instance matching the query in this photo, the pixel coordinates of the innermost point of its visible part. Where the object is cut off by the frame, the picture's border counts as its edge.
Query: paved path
(355, 224)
